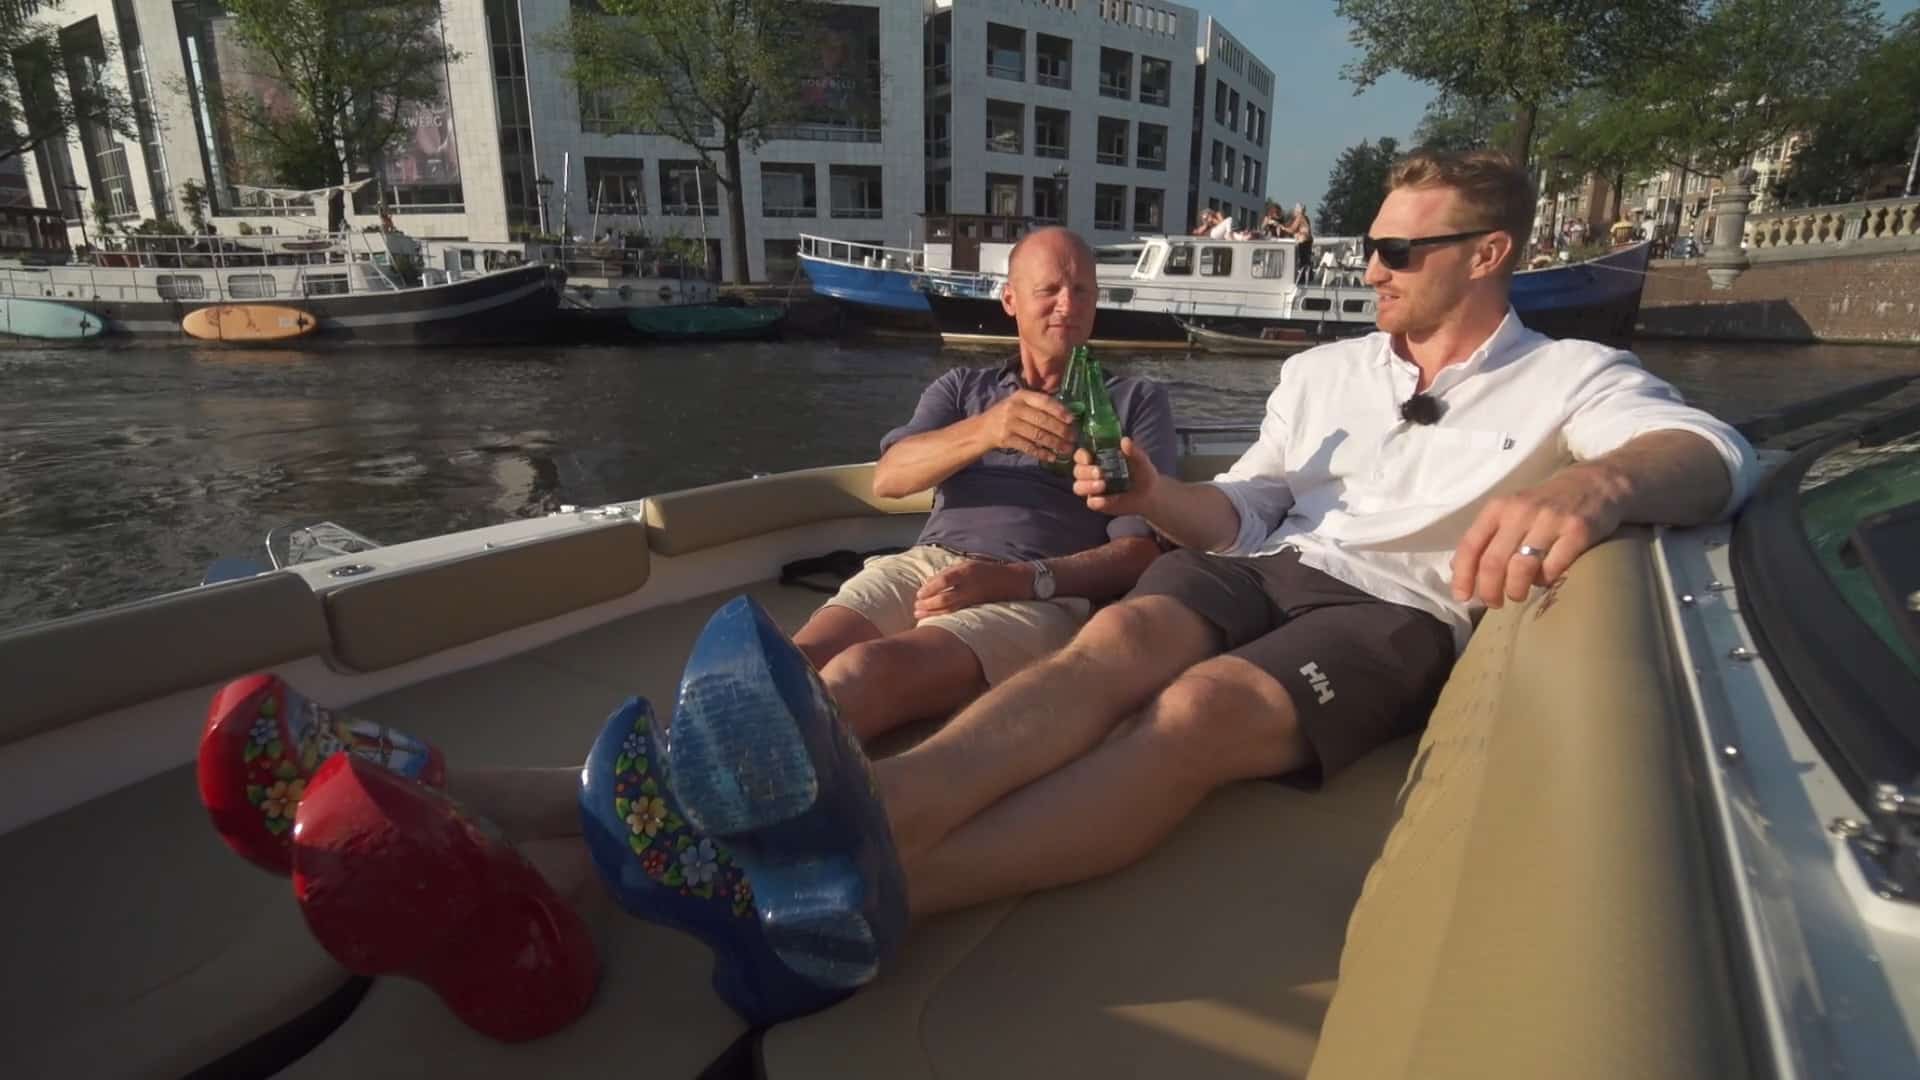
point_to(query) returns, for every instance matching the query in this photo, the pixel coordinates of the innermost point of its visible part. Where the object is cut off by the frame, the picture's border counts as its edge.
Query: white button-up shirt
(1381, 503)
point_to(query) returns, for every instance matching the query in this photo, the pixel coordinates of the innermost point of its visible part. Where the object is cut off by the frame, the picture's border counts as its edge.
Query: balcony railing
(1115, 223)
(1051, 150)
(1006, 71)
(824, 133)
(1004, 142)
(673, 209)
(1832, 226)
(1156, 97)
(856, 212)
(939, 148)
(1109, 88)
(1058, 82)
(1108, 157)
(791, 210)
(1153, 161)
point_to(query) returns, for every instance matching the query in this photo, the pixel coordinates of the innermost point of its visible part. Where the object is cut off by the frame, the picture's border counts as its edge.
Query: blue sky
(1315, 111)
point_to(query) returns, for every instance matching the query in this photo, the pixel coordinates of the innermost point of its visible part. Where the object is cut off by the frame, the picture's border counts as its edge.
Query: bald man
(1010, 561)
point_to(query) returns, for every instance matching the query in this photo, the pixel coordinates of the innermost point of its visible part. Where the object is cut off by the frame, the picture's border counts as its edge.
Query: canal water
(125, 471)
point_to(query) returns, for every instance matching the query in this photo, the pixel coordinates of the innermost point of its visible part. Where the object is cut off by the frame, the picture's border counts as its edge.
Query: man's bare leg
(1221, 721)
(1041, 719)
(831, 631)
(881, 684)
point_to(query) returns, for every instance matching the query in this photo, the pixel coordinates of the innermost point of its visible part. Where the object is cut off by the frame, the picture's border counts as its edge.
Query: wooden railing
(1830, 226)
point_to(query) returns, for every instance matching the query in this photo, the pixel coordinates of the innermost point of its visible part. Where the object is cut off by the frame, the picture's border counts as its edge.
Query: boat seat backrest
(1544, 906)
(391, 619)
(684, 522)
(68, 670)
(1195, 467)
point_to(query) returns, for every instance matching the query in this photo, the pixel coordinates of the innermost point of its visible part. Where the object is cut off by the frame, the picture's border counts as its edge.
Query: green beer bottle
(1100, 430)
(1073, 395)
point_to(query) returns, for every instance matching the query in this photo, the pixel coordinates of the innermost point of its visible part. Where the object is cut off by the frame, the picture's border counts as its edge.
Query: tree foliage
(1356, 187)
(354, 72)
(37, 100)
(1456, 123)
(1862, 141)
(717, 75)
(1528, 53)
(1741, 74)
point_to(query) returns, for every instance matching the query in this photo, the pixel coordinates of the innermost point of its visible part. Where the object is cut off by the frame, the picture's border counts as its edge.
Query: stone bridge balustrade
(1844, 224)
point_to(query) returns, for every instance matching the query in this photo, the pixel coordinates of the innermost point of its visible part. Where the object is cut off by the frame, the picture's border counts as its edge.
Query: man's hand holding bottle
(1089, 482)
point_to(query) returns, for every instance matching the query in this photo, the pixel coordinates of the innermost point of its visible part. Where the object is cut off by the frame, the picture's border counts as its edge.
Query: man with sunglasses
(1402, 481)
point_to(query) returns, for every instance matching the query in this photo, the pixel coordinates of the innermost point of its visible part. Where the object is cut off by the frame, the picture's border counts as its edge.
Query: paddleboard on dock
(47, 319)
(248, 322)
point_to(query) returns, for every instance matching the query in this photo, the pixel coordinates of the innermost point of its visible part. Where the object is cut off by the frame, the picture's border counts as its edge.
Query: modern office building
(1090, 112)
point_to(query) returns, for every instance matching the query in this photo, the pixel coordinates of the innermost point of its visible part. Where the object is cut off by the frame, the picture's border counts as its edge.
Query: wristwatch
(1043, 583)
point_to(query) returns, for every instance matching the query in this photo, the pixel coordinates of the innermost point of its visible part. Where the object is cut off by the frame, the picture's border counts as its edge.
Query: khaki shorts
(1005, 637)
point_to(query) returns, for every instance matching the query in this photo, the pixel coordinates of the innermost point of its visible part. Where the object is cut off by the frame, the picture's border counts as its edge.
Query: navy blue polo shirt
(1008, 505)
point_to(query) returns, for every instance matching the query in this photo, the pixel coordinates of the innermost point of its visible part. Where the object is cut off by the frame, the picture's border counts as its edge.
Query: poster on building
(841, 86)
(427, 153)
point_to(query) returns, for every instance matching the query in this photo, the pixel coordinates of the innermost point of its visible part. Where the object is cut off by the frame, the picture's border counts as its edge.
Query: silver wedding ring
(1528, 551)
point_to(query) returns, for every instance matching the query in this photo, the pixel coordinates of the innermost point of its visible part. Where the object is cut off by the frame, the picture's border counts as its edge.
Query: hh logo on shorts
(1318, 679)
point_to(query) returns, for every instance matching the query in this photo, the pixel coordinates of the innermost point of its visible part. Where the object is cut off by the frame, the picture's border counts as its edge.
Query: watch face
(1043, 583)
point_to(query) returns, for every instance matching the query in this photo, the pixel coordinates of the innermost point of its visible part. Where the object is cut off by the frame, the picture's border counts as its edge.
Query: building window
(782, 259)
(1112, 143)
(1109, 206)
(1004, 121)
(1216, 261)
(1213, 162)
(1156, 81)
(1232, 167)
(939, 145)
(1152, 147)
(937, 185)
(1003, 195)
(1219, 101)
(1253, 121)
(140, 96)
(1148, 204)
(1270, 263)
(1053, 61)
(854, 190)
(1116, 74)
(788, 191)
(615, 185)
(1260, 127)
(1006, 52)
(939, 49)
(688, 188)
(1049, 198)
(507, 54)
(1233, 109)
(1050, 128)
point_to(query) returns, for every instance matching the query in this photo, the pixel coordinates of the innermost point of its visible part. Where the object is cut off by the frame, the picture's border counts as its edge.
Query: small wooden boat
(47, 319)
(1272, 341)
(248, 322)
(1640, 836)
(698, 322)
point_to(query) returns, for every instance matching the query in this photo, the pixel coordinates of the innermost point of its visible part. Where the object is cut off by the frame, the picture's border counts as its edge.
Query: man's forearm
(1198, 516)
(919, 462)
(1108, 570)
(1665, 478)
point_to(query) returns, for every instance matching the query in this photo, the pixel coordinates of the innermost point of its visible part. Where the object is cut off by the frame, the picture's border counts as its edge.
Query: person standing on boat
(1010, 560)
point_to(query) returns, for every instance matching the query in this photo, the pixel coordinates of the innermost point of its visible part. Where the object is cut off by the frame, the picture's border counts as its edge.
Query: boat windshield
(1842, 489)
(1827, 557)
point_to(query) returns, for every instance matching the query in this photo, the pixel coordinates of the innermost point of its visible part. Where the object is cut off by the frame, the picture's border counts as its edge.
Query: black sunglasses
(1396, 251)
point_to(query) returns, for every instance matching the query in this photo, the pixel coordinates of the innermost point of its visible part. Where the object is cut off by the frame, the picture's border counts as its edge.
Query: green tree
(1590, 134)
(1528, 53)
(718, 75)
(355, 71)
(1742, 74)
(1356, 187)
(1456, 123)
(1862, 143)
(38, 100)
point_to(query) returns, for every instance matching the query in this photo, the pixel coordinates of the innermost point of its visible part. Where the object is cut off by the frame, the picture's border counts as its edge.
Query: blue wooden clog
(660, 868)
(759, 758)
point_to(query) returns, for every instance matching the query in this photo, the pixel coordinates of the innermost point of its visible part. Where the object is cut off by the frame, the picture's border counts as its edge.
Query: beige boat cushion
(707, 517)
(138, 945)
(654, 1009)
(1213, 957)
(394, 618)
(1195, 467)
(1544, 906)
(74, 668)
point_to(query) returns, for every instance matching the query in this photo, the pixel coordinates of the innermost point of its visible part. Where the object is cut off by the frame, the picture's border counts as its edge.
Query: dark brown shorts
(1361, 671)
